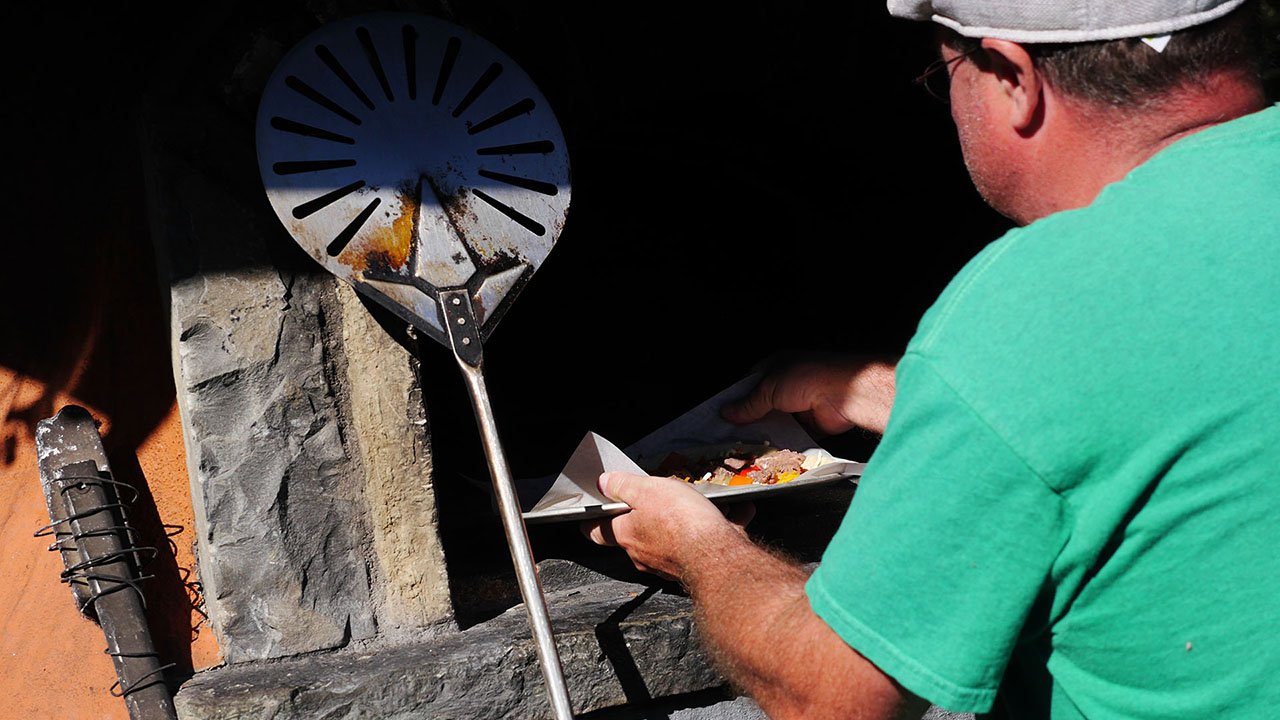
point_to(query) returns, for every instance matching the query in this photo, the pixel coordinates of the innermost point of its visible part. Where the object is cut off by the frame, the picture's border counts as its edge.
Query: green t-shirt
(1077, 499)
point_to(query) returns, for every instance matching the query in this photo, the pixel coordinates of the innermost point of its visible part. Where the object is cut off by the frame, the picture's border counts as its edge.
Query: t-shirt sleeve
(947, 544)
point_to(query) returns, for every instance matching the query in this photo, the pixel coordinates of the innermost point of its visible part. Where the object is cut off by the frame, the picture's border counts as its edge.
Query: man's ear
(1020, 82)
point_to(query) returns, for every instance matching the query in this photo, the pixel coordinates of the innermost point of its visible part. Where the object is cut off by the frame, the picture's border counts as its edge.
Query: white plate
(818, 477)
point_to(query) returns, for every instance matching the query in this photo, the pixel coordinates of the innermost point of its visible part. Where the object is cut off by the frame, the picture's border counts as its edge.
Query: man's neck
(1094, 147)
(1223, 98)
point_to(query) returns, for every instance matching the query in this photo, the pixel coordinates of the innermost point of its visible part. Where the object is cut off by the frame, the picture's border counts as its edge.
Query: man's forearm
(755, 618)
(745, 597)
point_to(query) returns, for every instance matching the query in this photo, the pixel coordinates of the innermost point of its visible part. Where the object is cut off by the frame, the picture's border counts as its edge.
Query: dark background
(743, 183)
(746, 178)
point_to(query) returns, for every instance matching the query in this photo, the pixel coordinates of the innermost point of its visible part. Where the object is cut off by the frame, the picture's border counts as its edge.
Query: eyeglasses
(936, 78)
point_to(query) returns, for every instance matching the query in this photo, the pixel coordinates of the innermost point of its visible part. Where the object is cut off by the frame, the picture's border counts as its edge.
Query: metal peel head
(408, 156)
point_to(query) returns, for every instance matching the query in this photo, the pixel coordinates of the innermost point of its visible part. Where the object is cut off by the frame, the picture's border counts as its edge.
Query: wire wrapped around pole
(102, 558)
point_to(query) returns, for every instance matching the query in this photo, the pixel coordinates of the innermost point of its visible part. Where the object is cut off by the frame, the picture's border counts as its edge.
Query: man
(1074, 510)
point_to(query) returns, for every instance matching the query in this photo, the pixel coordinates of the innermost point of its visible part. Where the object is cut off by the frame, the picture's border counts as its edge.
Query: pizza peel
(416, 161)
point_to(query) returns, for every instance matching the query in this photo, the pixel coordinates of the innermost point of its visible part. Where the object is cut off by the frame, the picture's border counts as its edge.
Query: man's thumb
(618, 485)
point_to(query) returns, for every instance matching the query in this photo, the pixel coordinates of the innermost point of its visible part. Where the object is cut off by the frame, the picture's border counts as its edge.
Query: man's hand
(828, 394)
(670, 524)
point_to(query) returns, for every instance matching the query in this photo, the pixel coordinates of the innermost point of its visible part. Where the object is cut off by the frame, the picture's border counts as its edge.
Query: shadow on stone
(614, 647)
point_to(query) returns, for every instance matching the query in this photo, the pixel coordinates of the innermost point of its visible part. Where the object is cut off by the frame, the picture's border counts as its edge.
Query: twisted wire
(81, 573)
(117, 690)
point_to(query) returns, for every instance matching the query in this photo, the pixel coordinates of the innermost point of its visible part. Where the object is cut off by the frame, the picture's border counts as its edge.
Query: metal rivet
(457, 301)
(466, 341)
(462, 321)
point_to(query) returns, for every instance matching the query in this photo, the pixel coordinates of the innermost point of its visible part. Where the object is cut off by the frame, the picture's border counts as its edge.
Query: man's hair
(1128, 72)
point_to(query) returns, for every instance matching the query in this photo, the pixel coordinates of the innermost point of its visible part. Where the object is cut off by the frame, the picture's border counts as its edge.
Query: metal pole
(518, 540)
(118, 603)
(464, 337)
(103, 563)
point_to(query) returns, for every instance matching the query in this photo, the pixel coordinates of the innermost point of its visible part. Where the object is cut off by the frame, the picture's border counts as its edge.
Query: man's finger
(740, 513)
(752, 407)
(809, 421)
(600, 532)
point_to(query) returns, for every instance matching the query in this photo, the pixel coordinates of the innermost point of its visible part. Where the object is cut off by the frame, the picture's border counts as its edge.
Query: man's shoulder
(1207, 200)
(1012, 277)
(1235, 162)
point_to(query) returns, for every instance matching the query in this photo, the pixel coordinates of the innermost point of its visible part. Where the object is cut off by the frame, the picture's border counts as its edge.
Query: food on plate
(736, 464)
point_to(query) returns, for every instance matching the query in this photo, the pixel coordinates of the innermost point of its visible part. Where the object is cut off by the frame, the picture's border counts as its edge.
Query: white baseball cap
(1063, 21)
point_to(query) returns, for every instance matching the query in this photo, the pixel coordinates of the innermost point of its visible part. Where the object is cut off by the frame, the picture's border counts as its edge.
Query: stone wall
(306, 438)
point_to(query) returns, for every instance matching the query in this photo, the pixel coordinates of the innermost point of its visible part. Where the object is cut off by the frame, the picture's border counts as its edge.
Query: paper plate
(818, 477)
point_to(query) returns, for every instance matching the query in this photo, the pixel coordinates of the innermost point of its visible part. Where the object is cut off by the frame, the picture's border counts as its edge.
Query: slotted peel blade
(407, 156)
